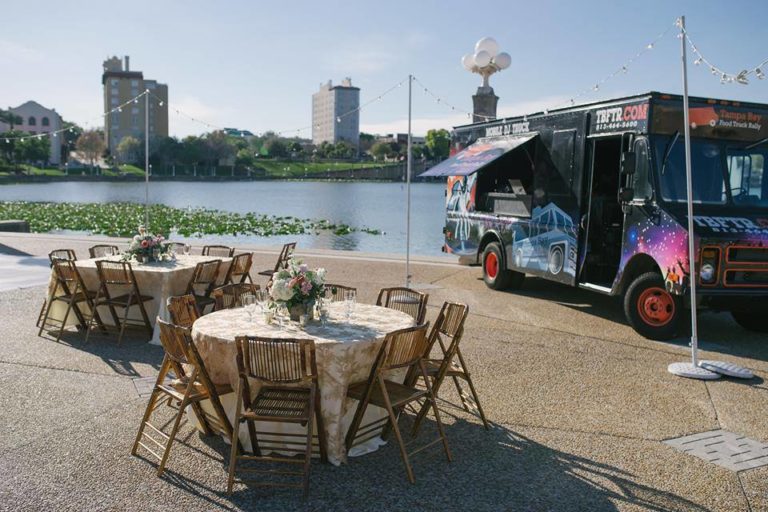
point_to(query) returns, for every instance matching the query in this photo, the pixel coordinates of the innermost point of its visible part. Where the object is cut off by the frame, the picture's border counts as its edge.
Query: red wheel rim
(491, 265)
(656, 306)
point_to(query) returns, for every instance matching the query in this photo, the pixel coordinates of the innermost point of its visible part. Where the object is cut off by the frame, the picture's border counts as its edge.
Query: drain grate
(726, 449)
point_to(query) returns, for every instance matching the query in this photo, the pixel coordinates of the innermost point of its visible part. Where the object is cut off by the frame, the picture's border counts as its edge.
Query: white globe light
(502, 60)
(482, 58)
(487, 44)
(468, 61)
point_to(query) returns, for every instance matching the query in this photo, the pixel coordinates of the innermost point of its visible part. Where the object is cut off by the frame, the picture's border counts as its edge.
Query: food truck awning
(478, 155)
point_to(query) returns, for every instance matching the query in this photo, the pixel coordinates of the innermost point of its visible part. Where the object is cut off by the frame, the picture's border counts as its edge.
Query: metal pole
(408, 192)
(689, 186)
(146, 159)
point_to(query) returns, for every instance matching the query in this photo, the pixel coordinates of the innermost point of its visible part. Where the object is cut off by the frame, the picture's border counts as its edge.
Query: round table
(345, 353)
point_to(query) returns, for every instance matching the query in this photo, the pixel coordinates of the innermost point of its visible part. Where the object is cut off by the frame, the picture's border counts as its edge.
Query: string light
(742, 77)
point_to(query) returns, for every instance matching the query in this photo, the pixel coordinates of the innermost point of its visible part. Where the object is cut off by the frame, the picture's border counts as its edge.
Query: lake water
(375, 205)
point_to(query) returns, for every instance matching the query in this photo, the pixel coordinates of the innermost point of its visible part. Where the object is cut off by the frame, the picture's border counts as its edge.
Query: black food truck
(595, 196)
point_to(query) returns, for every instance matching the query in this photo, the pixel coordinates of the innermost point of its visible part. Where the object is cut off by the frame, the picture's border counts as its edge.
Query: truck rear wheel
(751, 320)
(495, 275)
(650, 309)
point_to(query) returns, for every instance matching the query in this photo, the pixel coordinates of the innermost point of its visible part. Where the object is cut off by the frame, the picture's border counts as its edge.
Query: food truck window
(642, 184)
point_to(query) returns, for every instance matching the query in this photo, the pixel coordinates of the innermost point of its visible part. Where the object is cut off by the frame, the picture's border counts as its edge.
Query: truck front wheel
(751, 320)
(495, 275)
(650, 309)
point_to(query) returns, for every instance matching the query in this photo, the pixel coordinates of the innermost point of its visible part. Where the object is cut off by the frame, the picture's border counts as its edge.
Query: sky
(255, 65)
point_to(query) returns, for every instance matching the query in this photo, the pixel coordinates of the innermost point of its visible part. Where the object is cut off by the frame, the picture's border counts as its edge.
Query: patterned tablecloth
(160, 280)
(345, 354)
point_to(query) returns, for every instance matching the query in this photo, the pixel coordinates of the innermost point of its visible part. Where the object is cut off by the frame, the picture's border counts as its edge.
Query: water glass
(323, 311)
(262, 297)
(187, 249)
(283, 316)
(248, 301)
(350, 297)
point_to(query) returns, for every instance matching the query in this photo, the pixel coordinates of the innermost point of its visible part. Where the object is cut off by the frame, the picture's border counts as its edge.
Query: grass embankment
(123, 219)
(276, 168)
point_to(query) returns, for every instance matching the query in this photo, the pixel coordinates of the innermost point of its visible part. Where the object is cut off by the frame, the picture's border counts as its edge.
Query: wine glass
(248, 302)
(261, 299)
(350, 297)
(282, 315)
(187, 249)
(323, 310)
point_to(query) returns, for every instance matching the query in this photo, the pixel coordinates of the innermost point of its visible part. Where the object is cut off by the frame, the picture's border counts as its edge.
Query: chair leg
(436, 384)
(396, 430)
(144, 315)
(147, 413)
(471, 384)
(321, 439)
(308, 449)
(236, 435)
(355, 425)
(42, 310)
(175, 429)
(431, 396)
(45, 317)
(93, 313)
(124, 323)
(64, 322)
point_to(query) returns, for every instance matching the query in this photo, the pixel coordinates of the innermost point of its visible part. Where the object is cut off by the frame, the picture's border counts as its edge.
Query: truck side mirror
(626, 194)
(628, 163)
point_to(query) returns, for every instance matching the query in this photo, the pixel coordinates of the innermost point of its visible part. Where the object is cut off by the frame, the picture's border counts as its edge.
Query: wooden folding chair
(220, 251)
(406, 300)
(71, 290)
(231, 295)
(336, 291)
(286, 253)
(202, 283)
(188, 388)
(286, 370)
(240, 269)
(54, 255)
(177, 247)
(450, 325)
(402, 349)
(183, 310)
(118, 289)
(103, 250)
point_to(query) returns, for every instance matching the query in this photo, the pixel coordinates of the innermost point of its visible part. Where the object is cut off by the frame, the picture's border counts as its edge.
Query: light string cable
(742, 77)
(93, 120)
(297, 131)
(623, 69)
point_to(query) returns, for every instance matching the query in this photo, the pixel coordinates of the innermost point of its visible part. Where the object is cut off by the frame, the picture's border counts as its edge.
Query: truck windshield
(724, 172)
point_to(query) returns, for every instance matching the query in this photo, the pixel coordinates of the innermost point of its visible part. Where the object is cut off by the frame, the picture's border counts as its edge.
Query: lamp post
(485, 61)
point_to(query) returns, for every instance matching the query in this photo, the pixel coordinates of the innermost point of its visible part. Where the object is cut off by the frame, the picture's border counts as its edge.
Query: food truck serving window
(478, 155)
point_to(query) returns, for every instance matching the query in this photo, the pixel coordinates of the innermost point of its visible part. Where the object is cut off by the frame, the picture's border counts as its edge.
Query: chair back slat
(62, 254)
(183, 310)
(231, 295)
(276, 360)
(220, 251)
(286, 253)
(449, 323)
(403, 348)
(240, 268)
(175, 341)
(204, 275)
(102, 250)
(408, 301)
(336, 291)
(66, 272)
(115, 272)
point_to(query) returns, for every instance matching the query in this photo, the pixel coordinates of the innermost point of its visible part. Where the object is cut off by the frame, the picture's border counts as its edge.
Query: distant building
(36, 119)
(120, 85)
(401, 138)
(329, 106)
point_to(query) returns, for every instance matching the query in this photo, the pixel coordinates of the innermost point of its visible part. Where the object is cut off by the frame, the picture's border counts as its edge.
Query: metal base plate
(727, 369)
(692, 372)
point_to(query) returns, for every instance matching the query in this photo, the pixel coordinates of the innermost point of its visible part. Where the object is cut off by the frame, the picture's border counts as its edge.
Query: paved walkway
(580, 407)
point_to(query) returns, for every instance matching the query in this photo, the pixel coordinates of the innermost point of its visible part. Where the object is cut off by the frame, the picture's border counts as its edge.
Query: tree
(381, 150)
(366, 142)
(439, 143)
(129, 150)
(91, 145)
(9, 118)
(34, 149)
(69, 137)
(275, 148)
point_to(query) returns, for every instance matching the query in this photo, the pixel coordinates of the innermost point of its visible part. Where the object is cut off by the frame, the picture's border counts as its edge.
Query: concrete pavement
(580, 407)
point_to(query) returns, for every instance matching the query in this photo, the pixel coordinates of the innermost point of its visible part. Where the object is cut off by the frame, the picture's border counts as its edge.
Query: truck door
(605, 220)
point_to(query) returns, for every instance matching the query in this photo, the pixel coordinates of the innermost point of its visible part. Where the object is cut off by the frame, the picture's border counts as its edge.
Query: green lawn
(299, 169)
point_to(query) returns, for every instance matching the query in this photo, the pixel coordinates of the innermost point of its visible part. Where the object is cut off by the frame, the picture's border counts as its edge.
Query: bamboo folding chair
(202, 283)
(183, 310)
(220, 251)
(449, 324)
(286, 370)
(240, 269)
(231, 295)
(103, 250)
(406, 300)
(286, 253)
(176, 247)
(336, 291)
(188, 388)
(118, 289)
(54, 255)
(402, 349)
(70, 289)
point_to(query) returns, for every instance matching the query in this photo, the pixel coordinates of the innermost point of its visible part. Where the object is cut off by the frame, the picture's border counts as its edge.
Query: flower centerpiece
(297, 287)
(146, 247)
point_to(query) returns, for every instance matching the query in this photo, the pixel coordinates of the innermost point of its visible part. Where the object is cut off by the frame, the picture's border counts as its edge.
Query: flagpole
(146, 159)
(408, 192)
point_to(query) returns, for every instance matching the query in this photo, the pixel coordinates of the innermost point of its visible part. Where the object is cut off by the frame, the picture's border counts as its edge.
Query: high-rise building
(120, 85)
(331, 118)
(38, 120)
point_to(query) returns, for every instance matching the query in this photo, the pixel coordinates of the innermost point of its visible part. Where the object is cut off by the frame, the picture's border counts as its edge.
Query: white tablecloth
(159, 280)
(345, 353)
